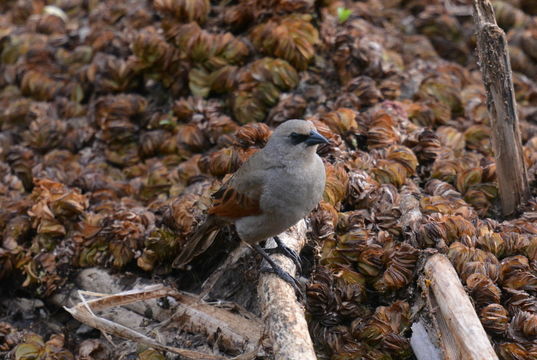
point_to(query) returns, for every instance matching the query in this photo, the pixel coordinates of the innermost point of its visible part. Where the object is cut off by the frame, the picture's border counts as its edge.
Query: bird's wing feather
(240, 196)
(198, 242)
(237, 198)
(232, 204)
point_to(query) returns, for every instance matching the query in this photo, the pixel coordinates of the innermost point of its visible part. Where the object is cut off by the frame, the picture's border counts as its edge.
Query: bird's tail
(198, 242)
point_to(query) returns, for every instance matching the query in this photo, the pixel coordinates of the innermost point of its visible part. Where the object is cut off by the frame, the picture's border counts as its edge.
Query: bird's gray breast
(289, 194)
(294, 190)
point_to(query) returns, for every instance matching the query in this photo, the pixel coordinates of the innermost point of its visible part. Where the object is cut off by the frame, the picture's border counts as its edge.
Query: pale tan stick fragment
(465, 335)
(83, 312)
(495, 67)
(245, 329)
(189, 312)
(283, 315)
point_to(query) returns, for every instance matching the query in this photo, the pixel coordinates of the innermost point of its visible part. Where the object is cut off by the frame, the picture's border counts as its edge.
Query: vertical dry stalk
(497, 78)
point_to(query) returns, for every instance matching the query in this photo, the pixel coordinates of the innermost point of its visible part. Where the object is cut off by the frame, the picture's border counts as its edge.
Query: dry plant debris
(119, 119)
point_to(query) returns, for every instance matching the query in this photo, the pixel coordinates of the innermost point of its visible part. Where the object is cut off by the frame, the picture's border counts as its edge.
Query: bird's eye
(297, 138)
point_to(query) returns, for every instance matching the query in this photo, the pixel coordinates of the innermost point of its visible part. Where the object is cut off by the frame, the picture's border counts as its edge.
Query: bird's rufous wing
(232, 204)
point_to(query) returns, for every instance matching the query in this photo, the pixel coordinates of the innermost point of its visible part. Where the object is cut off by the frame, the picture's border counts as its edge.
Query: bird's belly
(253, 229)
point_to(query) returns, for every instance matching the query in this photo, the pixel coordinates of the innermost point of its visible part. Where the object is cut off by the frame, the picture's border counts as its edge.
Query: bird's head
(297, 136)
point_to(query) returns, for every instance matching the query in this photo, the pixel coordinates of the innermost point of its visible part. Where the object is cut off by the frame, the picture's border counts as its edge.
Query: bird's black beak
(315, 138)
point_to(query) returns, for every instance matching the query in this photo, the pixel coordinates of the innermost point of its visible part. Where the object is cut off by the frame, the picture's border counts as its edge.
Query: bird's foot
(282, 274)
(284, 250)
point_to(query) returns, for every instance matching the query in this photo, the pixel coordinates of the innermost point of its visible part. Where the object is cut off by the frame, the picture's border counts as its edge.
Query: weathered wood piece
(447, 327)
(497, 77)
(461, 332)
(282, 313)
(233, 326)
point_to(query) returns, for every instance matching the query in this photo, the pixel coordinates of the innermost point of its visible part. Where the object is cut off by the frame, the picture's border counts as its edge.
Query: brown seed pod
(111, 74)
(239, 16)
(390, 172)
(528, 42)
(421, 114)
(34, 344)
(494, 318)
(460, 254)
(382, 132)
(520, 280)
(440, 188)
(361, 188)
(483, 290)
(40, 86)
(337, 182)
(149, 47)
(400, 269)
(403, 156)
(512, 351)
(252, 135)
(477, 137)
(184, 10)
(110, 109)
(457, 227)
(509, 16)
(445, 88)
(324, 220)
(192, 137)
(224, 79)
(371, 261)
(291, 38)
(364, 92)
(224, 161)
(490, 241)
(396, 345)
(520, 300)
(246, 108)
(515, 243)
(276, 71)
(445, 170)
(342, 121)
(45, 133)
(431, 233)
(516, 274)
(468, 178)
(393, 319)
(525, 324)
(434, 204)
(199, 82)
(451, 138)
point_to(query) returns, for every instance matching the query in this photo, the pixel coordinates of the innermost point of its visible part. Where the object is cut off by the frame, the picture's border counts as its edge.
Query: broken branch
(497, 78)
(283, 315)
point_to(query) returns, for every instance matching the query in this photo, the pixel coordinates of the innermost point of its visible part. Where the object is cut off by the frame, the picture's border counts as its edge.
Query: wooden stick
(283, 315)
(455, 328)
(497, 78)
(461, 331)
(240, 328)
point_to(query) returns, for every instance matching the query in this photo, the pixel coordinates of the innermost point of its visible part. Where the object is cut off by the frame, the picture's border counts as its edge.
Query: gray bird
(273, 190)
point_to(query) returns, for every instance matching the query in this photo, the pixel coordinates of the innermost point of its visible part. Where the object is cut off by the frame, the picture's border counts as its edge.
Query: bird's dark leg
(284, 250)
(282, 274)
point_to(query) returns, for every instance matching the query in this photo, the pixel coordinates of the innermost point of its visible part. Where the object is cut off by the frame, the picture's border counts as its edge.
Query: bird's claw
(284, 250)
(282, 274)
(285, 276)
